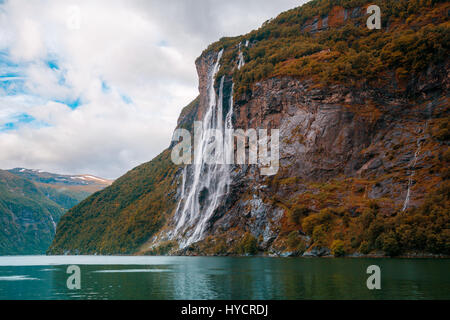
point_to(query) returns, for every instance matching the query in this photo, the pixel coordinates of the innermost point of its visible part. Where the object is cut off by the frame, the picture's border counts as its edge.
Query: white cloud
(144, 50)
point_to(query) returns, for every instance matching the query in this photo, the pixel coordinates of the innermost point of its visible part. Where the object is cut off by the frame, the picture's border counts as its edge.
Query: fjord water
(44, 277)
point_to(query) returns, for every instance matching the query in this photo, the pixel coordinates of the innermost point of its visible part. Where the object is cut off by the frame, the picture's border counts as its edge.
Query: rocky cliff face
(363, 146)
(365, 138)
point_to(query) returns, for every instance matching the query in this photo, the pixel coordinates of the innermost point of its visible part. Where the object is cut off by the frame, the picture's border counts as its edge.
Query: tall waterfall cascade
(206, 182)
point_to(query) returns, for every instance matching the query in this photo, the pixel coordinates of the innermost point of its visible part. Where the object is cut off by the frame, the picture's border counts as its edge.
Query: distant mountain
(65, 190)
(31, 204)
(27, 217)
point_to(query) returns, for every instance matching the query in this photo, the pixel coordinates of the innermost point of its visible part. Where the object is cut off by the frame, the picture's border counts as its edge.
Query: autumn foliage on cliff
(329, 42)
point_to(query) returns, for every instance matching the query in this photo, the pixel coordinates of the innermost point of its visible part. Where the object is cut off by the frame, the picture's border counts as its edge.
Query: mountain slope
(363, 118)
(27, 217)
(65, 190)
(31, 204)
(126, 214)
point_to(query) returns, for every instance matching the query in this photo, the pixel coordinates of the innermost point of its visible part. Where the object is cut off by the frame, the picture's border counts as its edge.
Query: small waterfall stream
(53, 222)
(183, 187)
(412, 170)
(241, 62)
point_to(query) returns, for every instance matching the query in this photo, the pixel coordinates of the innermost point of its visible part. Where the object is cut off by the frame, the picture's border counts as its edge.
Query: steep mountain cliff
(32, 202)
(363, 118)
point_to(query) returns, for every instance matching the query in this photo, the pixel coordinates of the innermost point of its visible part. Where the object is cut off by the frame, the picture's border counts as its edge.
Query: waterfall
(183, 187)
(206, 182)
(53, 222)
(241, 58)
(412, 171)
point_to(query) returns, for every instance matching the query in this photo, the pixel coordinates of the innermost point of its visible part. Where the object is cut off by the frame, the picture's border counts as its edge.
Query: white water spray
(183, 187)
(241, 62)
(53, 223)
(210, 179)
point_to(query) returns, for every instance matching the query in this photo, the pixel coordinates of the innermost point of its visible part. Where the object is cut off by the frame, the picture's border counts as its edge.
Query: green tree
(248, 244)
(319, 236)
(364, 248)
(390, 244)
(338, 248)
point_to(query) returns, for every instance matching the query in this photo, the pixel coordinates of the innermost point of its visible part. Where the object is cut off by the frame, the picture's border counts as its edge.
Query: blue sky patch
(72, 104)
(12, 85)
(126, 99)
(16, 121)
(52, 64)
(5, 61)
(11, 76)
(105, 87)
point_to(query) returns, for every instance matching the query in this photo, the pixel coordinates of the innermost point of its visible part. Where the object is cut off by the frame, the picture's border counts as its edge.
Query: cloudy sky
(96, 86)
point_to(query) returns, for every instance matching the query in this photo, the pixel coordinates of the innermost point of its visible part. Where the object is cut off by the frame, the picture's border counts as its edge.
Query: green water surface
(41, 277)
